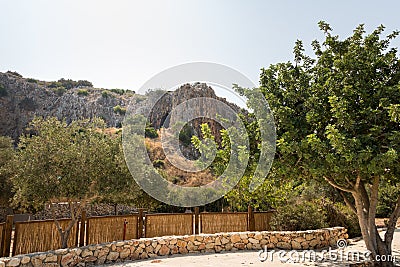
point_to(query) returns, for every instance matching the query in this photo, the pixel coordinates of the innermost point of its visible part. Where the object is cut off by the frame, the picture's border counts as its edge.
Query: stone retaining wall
(161, 246)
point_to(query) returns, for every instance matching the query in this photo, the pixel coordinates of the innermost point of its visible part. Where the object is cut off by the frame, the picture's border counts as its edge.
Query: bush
(3, 91)
(306, 215)
(120, 110)
(31, 80)
(150, 132)
(14, 73)
(105, 94)
(158, 163)
(118, 91)
(59, 90)
(339, 214)
(185, 136)
(83, 92)
(388, 195)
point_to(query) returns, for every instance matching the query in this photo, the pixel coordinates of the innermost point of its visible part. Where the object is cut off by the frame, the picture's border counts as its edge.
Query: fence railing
(36, 236)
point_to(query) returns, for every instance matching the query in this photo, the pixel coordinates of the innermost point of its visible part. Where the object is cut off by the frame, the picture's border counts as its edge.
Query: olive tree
(75, 163)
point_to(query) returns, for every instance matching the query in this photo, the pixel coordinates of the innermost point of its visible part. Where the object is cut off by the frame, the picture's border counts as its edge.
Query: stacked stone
(163, 246)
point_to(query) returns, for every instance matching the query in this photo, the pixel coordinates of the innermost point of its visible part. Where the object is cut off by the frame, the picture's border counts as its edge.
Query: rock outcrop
(22, 99)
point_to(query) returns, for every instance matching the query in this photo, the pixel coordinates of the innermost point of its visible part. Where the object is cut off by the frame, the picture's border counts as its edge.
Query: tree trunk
(365, 202)
(365, 205)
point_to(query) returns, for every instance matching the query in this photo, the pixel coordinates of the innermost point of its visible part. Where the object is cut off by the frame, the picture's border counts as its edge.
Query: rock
(235, 238)
(112, 256)
(101, 260)
(51, 258)
(258, 236)
(314, 243)
(164, 250)
(254, 241)
(296, 245)
(239, 245)
(174, 250)
(25, 260)
(86, 253)
(2, 264)
(125, 253)
(224, 240)
(14, 262)
(149, 249)
(183, 250)
(283, 245)
(144, 256)
(210, 245)
(36, 261)
(181, 243)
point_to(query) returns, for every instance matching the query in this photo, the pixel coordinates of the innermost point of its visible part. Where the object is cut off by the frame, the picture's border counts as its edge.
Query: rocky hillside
(21, 99)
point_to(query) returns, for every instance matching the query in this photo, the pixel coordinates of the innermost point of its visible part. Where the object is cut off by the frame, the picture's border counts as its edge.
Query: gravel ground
(251, 258)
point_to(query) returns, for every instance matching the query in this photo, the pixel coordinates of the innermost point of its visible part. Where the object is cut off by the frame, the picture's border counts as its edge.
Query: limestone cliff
(21, 99)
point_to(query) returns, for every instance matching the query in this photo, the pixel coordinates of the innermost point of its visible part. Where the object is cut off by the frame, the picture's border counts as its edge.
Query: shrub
(31, 80)
(150, 132)
(299, 216)
(185, 136)
(3, 91)
(14, 73)
(83, 92)
(339, 214)
(158, 163)
(387, 199)
(118, 91)
(59, 90)
(120, 110)
(105, 94)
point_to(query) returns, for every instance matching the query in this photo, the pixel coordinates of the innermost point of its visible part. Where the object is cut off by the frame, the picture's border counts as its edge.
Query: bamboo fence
(37, 236)
(111, 228)
(212, 223)
(169, 224)
(2, 229)
(262, 221)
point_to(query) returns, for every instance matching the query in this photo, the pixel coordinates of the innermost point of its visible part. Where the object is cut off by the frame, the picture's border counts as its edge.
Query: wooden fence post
(196, 220)
(7, 236)
(140, 228)
(251, 222)
(82, 229)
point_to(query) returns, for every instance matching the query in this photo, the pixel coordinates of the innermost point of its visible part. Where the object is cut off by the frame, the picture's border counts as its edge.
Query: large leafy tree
(75, 163)
(6, 156)
(337, 119)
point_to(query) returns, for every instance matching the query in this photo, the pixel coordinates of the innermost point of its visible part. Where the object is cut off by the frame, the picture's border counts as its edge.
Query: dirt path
(251, 258)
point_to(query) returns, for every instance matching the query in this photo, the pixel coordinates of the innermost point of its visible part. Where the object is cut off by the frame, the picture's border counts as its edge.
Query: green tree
(337, 119)
(76, 163)
(6, 158)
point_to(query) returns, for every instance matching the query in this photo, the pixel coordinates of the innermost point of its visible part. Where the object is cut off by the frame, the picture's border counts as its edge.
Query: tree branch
(347, 201)
(332, 183)
(57, 223)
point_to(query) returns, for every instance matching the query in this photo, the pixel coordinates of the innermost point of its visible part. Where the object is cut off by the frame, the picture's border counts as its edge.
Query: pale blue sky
(121, 44)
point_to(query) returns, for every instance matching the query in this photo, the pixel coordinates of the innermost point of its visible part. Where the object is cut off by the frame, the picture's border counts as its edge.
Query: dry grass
(173, 174)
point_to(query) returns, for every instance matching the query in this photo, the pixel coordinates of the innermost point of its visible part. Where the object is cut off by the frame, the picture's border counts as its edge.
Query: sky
(123, 43)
